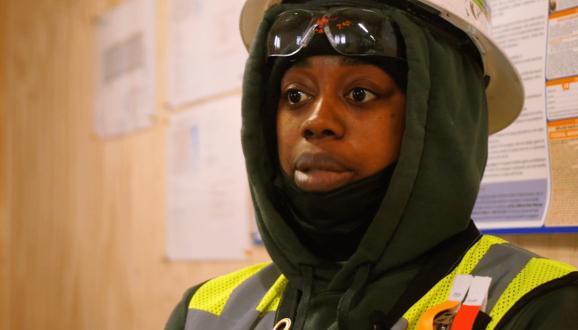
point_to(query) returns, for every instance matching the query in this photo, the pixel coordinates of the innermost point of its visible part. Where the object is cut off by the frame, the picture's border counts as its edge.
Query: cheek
(287, 138)
(380, 142)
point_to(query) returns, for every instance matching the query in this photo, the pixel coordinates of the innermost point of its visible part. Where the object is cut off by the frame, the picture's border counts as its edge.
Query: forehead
(334, 59)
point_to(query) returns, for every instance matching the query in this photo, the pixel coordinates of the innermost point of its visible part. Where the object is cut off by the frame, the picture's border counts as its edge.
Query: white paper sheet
(516, 185)
(206, 183)
(206, 54)
(563, 44)
(125, 94)
(562, 98)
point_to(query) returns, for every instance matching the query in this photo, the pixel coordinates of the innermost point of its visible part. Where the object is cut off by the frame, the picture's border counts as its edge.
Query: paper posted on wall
(530, 175)
(564, 150)
(125, 77)
(206, 55)
(562, 44)
(207, 187)
(562, 109)
(515, 188)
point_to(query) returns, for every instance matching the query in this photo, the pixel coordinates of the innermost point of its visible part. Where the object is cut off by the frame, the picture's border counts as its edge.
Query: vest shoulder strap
(536, 273)
(245, 299)
(515, 272)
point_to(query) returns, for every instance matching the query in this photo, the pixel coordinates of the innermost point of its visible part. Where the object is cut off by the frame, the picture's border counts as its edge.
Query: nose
(324, 121)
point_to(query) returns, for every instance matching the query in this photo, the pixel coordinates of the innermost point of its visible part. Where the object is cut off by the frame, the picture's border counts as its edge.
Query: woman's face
(338, 120)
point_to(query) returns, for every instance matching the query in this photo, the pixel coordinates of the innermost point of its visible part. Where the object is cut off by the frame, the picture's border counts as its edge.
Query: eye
(360, 95)
(295, 96)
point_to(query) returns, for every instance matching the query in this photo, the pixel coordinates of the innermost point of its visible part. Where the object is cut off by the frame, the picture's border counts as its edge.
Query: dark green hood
(436, 181)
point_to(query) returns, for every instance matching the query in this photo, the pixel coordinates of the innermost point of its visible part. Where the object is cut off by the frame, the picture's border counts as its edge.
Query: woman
(365, 128)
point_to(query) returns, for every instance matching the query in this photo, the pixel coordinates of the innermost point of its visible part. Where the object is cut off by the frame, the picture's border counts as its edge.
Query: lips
(320, 172)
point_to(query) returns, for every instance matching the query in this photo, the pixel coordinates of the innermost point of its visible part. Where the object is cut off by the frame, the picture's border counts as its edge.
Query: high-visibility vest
(248, 299)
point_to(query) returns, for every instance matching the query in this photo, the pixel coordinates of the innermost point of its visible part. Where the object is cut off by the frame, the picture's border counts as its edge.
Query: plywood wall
(4, 232)
(81, 219)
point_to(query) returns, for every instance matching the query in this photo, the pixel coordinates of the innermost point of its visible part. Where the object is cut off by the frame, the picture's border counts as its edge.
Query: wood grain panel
(85, 248)
(81, 219)
(562, 247)
(4, 170)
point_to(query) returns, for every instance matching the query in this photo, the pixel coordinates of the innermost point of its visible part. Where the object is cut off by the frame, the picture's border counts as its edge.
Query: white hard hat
(505, 92)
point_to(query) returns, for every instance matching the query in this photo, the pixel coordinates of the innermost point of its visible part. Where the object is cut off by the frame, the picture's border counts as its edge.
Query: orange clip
(444, 310)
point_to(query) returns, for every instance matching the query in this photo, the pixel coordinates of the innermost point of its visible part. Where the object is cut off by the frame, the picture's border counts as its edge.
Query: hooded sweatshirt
(423, 225)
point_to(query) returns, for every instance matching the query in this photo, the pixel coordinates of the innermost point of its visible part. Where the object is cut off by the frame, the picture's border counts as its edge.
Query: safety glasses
(351, 31)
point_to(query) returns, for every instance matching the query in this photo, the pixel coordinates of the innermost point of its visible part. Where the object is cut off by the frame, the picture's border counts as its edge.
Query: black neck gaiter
(331, 224)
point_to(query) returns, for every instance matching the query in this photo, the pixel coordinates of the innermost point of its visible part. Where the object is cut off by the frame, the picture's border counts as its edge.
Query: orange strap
(466, 317)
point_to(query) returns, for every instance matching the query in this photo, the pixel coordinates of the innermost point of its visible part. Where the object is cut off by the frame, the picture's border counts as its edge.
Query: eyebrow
(302, 63)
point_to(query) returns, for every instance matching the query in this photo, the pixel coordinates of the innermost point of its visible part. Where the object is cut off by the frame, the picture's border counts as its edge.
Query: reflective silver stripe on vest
(502, 263)
(401, 324)
(240, 311)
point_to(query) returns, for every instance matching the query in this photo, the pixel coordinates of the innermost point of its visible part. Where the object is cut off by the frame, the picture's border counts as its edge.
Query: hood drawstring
(350, 296)
(307, 290)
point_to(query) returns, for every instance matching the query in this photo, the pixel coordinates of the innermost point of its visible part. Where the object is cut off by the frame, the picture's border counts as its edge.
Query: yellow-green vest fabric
(245, 299)
(248, 299)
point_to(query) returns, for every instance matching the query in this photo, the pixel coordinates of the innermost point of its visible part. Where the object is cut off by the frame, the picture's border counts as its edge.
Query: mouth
(319, 172)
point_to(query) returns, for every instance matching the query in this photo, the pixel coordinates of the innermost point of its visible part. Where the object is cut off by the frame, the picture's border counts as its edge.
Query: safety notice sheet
(125, 77)
(206, 54)
(532, 171)
(207, 191)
